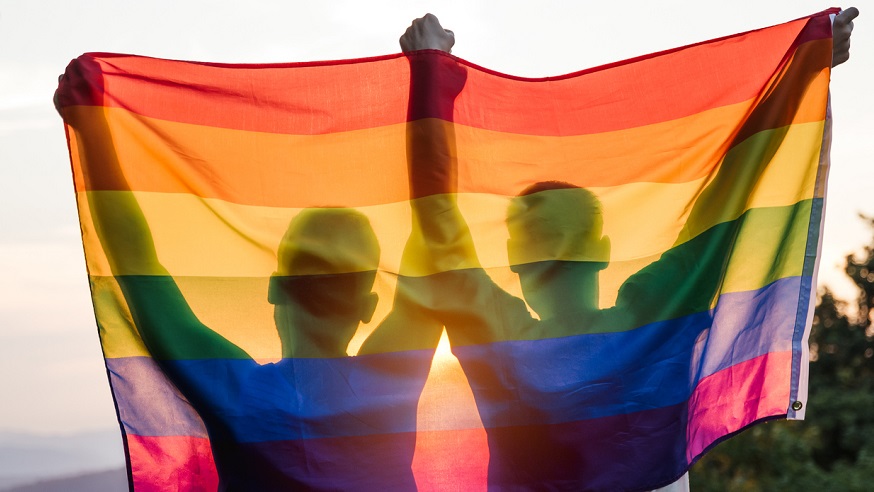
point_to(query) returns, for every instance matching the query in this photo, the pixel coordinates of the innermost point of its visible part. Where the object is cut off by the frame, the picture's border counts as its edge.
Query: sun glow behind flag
(237, 219)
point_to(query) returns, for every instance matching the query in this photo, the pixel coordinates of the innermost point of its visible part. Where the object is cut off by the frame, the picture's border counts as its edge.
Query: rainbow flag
(411, 272)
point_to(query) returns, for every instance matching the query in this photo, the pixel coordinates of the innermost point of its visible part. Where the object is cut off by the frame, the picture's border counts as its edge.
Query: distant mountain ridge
(27, 458)
(104, 481)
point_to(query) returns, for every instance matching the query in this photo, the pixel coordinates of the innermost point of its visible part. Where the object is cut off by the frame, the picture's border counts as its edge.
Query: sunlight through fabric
(410, 272)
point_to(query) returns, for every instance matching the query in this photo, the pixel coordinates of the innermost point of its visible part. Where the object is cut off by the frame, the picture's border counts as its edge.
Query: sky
(52, 377)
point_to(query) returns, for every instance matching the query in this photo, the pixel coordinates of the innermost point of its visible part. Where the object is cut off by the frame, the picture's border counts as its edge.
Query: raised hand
(841, 31)
(426, 33)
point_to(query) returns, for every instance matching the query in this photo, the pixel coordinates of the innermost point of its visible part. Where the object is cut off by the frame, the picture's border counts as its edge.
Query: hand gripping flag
(621, 260)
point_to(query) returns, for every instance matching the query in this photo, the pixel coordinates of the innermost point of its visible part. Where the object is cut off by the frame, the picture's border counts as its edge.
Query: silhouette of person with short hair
(315, 420)
(537, 400)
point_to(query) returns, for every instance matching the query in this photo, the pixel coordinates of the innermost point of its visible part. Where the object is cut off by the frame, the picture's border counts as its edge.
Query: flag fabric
(621, 260)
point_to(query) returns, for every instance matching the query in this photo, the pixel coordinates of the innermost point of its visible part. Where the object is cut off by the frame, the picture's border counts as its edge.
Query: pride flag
(410, 272)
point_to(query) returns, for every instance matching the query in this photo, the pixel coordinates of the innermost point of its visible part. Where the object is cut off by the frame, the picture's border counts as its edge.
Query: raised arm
(411, 324)
(687, 277)
(164, 320)
(440, 239)
(739, 173)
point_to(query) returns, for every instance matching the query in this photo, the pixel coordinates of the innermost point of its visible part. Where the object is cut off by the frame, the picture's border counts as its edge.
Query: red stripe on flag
(217, 95)
(171, 463)
(714, 413)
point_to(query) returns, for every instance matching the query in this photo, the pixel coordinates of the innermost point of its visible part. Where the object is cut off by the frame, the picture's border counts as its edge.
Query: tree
(833, 449)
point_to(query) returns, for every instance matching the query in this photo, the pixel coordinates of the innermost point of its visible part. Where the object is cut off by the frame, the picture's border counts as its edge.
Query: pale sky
(52, 377)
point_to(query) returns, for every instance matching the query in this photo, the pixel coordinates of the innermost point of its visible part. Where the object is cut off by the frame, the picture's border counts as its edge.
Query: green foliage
(833, 449)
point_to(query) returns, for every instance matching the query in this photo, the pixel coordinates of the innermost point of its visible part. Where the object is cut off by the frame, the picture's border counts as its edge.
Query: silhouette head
(327, 263)
(557, 245)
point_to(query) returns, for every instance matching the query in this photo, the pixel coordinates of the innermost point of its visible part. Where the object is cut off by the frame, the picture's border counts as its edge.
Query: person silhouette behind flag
(539, 401)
